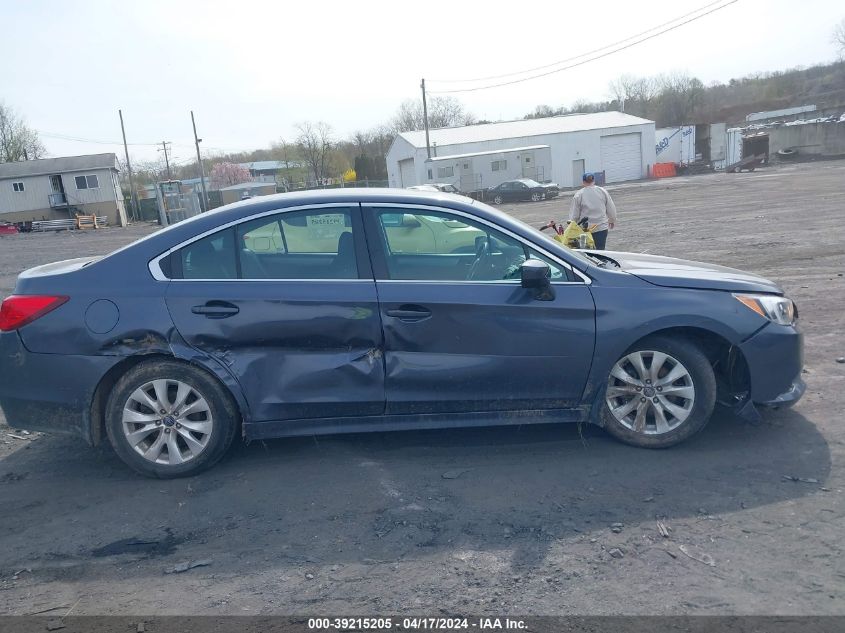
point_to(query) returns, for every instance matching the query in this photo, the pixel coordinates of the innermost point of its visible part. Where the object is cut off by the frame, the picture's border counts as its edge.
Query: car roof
(161, 241)
(203, 222)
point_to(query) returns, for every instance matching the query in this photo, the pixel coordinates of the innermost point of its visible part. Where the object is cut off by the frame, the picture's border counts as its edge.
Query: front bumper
(775, 357)
(788, 397)
(48, 392)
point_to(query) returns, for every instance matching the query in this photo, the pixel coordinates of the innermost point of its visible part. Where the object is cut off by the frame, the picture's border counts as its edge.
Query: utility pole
(425, 116)
(164, 145)
(197, 142)
(136, 211)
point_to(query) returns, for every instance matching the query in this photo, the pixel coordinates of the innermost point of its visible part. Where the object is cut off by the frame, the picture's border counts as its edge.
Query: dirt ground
(506, 520)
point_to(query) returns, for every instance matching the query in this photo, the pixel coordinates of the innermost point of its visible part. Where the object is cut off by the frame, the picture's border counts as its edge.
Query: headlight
(778, 309)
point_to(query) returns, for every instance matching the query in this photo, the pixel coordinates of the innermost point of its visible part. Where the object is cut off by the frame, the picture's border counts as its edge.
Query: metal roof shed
(620, 144)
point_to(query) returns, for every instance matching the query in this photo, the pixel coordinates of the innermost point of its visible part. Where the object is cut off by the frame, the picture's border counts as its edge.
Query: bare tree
(442, 112)
(17, 140)
(287, 153)
(678, 98)
(633, 94)
(315, 142)
(839, 36)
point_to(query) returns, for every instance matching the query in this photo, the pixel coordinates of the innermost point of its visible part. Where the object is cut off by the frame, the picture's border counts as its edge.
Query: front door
(57, 187)
(461, 335)
(287, 303)
(577, 171)
(529, 167)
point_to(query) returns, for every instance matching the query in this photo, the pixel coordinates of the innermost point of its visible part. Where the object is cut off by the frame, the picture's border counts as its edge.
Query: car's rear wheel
(168, 419)
(497, 199)
(536, 197)
(661, 392)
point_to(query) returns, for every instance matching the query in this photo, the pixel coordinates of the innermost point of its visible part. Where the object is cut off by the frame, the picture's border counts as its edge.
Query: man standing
(595, 204)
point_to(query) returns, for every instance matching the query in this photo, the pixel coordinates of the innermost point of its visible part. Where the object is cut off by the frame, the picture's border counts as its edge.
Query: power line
(76, 139)
(591, 59)
(569, 59)
(65, 137)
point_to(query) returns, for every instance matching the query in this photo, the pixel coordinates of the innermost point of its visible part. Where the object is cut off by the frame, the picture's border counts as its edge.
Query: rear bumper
(48, 392)
(775, 357)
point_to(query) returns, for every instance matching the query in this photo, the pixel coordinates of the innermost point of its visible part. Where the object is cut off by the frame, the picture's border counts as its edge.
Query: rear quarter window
(212, 257)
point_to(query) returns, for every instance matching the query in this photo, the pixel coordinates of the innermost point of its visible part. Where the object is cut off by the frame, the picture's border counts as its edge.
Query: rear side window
(311, 244)
(212, 257)
(307, 244)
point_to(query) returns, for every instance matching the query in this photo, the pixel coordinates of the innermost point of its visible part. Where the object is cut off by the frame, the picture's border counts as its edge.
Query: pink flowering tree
(227, 174)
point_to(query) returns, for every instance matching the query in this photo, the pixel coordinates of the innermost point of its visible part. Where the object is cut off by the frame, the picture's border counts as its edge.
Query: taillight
(18, 310)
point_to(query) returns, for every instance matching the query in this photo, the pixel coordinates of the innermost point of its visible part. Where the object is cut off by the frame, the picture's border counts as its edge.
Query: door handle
(409, 313)
(216, 310)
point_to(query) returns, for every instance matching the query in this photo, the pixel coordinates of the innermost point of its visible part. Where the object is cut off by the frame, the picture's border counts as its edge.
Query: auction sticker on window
(326, 225)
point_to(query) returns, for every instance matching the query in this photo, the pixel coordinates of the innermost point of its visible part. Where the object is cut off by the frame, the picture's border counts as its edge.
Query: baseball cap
(587, 176)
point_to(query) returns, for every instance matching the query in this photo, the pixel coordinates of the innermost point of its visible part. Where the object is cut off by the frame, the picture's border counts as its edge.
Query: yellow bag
(570, 236)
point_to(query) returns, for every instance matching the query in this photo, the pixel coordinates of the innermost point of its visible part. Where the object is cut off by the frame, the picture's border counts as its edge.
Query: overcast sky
(251, 70)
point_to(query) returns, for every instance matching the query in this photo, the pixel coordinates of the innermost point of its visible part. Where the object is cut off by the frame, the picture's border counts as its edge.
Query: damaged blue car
(372, 310)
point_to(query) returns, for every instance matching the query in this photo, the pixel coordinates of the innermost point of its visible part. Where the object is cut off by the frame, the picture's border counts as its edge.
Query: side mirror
(536, 275)
(410, 221)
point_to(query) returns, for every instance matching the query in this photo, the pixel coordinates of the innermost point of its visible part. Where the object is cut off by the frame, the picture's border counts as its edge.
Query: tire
(173, 449)
(497, 199)
(676, 416)
(536, 197)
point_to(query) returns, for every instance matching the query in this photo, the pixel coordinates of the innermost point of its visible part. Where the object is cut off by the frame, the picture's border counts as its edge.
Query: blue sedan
(366, 310)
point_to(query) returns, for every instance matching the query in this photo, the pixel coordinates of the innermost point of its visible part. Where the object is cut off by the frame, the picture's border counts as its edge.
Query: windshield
(530, 183)
(546, 237)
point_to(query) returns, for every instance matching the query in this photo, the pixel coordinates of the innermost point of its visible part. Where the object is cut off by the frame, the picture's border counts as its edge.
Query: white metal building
(558, 149)
(57, 188)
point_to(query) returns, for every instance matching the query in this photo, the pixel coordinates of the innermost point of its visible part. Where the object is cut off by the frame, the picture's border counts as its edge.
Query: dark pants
(600, 238)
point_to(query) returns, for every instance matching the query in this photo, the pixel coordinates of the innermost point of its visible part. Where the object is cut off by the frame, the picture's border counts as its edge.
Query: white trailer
(675, 144)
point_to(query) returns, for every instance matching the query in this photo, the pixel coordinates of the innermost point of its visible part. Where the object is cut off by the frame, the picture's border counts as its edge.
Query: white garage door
(621, 157)
(407, 176)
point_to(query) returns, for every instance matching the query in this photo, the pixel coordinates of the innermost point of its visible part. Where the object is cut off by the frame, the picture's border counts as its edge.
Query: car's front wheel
(661, 392)
(497, 199)
(536, 197)
(168, 419)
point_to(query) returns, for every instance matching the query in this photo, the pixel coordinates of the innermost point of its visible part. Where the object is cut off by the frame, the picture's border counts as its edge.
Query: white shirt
(594, 203)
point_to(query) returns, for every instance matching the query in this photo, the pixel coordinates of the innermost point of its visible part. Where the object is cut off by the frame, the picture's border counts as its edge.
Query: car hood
(682, 273)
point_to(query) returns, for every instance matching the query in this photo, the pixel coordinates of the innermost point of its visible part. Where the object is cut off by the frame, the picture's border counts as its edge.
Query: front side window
(440, 246)
(312, 244)
(87, 182)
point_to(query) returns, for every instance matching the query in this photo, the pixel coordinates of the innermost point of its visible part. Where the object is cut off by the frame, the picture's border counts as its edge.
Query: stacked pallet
(67, 225)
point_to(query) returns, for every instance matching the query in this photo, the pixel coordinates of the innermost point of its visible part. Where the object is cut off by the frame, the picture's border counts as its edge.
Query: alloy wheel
(650, 392)
(167, 422)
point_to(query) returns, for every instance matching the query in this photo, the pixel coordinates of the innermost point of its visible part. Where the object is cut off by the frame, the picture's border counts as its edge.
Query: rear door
(288, 303)
(461, 335)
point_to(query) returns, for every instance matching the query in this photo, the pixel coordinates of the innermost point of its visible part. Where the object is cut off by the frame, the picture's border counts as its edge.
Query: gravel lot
(506, 520)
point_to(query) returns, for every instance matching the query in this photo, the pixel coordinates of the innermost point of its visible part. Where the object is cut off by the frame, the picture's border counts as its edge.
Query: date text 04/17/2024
(416, 624)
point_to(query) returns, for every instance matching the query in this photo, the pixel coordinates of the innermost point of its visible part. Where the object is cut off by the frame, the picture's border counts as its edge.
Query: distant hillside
(677, 99)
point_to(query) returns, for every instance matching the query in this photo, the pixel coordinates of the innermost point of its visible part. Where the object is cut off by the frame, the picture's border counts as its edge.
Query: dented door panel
(300, 349)
(485, 347)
